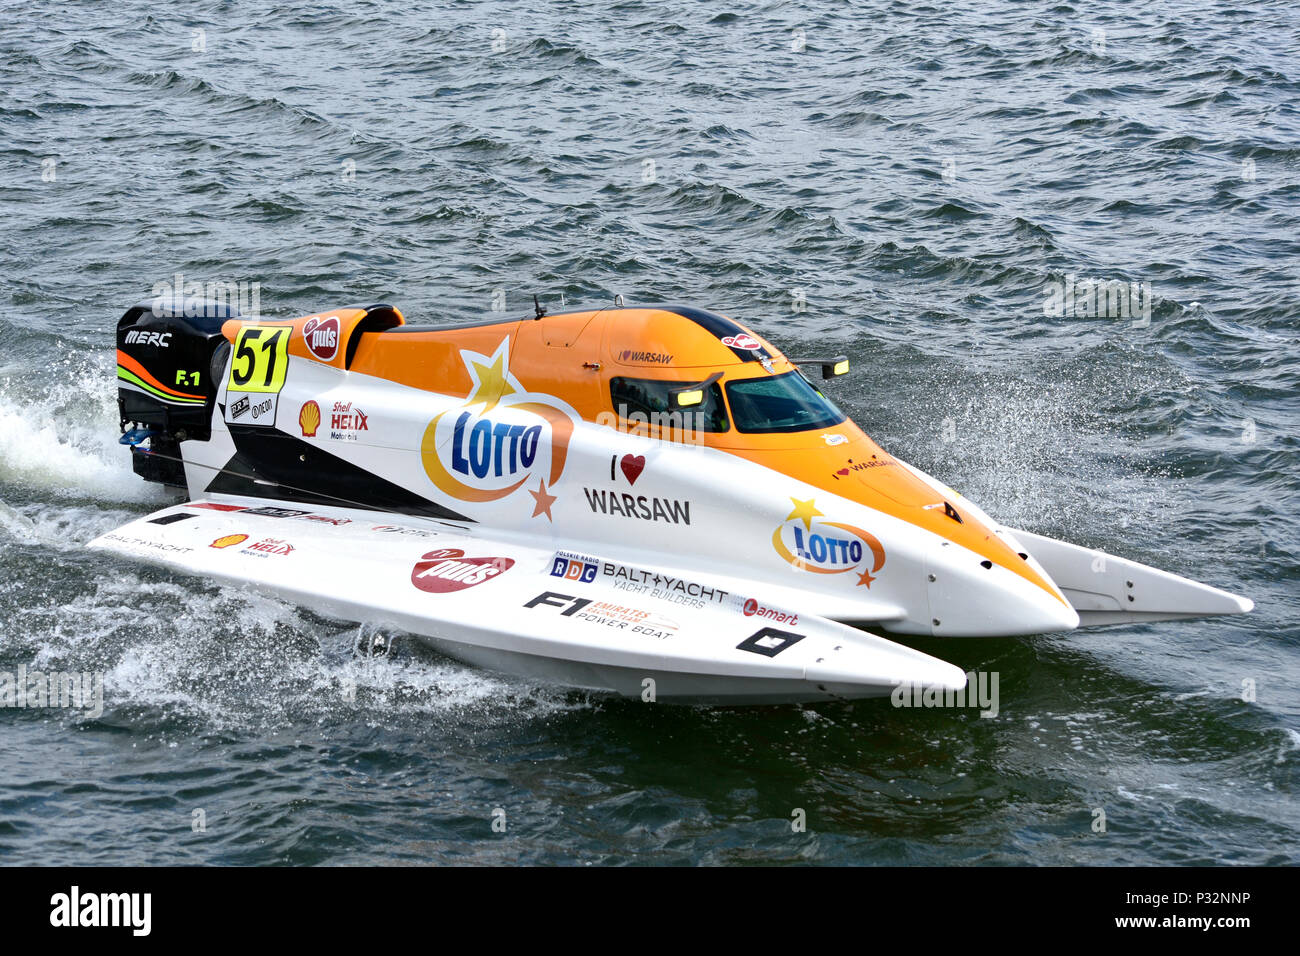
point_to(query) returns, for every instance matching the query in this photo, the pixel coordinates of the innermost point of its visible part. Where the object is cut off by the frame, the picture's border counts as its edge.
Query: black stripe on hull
(312, 476)
(718, 325)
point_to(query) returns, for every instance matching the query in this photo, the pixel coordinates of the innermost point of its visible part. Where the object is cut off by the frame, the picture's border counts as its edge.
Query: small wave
(570, 55)
(61, 527)
(222, 659)
(269, 210)
(66, 446)
(951, 211)
(853, 120)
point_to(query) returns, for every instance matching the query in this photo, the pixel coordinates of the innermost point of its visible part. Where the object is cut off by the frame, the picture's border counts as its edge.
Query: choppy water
(921, 172)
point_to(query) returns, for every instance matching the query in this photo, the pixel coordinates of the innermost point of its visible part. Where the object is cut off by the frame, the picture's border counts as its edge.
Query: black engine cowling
(169, 360)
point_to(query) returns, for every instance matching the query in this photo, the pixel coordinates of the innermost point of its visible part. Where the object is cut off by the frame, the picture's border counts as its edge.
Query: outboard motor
(170, 358)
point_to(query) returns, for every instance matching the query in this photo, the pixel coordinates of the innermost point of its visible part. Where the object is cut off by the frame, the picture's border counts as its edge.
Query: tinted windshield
(780, 403)
(652, 401)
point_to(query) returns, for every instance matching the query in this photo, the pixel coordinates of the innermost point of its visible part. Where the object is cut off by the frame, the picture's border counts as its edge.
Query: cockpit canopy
(670, 365)
(765, 404)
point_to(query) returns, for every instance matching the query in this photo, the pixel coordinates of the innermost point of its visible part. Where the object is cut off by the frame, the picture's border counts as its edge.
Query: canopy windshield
(779, 403)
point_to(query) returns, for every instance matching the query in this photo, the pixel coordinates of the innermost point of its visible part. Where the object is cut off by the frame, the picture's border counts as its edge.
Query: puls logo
(827, 547)
(447, 569)
(321, 336)
(742, 340)
(500, 439)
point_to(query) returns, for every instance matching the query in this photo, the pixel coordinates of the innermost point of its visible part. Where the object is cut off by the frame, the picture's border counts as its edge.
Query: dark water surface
(920, 172)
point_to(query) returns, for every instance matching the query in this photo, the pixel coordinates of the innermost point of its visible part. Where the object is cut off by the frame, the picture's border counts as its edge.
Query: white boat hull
(524, 610)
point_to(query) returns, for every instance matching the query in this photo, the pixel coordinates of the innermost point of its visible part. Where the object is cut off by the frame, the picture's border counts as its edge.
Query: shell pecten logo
(309, 419)
(227, 540)
(500, 439)
(827, 547)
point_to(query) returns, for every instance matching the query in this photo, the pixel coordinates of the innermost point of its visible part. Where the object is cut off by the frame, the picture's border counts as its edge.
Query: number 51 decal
(261, 358)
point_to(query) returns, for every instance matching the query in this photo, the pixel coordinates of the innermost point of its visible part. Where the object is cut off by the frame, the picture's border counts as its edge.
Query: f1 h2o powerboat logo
(827, 547)
(502, 439)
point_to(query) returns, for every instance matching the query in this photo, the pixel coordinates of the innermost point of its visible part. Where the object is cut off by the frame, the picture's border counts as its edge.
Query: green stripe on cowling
(129, 376)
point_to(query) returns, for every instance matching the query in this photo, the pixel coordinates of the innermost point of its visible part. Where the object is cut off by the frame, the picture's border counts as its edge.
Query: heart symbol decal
(632, 466)
(842, 471)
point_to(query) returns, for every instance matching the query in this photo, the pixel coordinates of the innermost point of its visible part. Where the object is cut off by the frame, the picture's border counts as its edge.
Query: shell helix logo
(228, 540)
(501, 439)
(309, 419)
(827, 547)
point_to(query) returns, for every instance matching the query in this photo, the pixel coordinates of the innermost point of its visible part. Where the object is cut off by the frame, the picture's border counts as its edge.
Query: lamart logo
(827, 547)
(500, 439)
(399, 529)
(447, 569)
(752, 608)
(321, 336)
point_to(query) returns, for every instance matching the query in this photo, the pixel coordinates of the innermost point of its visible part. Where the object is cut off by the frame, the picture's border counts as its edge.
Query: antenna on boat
(538, 311)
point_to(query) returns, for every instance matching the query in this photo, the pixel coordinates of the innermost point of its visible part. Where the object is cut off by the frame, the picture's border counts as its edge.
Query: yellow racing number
(260, 360)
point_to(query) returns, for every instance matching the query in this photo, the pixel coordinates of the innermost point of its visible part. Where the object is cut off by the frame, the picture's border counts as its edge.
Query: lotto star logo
(827, 547)
(500, 439)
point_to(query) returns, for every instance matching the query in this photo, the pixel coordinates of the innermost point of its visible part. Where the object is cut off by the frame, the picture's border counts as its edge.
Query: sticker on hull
(445, 570)
(259, 361)
(501, 441)
(809, 543)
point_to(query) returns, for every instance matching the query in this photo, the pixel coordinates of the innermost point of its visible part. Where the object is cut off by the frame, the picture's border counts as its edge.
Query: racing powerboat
(651, 501)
